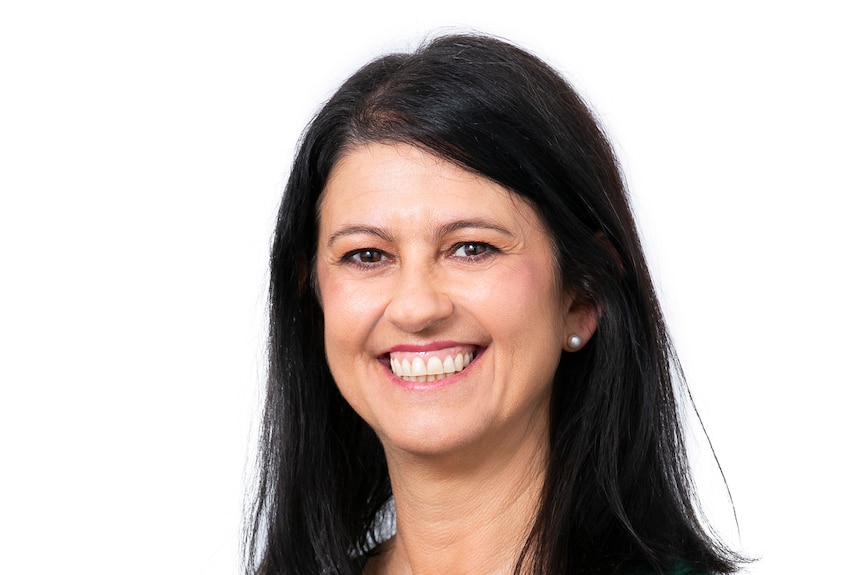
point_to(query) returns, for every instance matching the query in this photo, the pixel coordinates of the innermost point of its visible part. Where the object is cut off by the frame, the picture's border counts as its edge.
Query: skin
(416, 254)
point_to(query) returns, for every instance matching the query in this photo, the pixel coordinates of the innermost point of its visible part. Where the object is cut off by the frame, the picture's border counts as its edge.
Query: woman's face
(424, 268)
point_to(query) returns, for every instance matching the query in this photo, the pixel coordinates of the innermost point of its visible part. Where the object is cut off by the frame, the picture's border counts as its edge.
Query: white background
(143, 147)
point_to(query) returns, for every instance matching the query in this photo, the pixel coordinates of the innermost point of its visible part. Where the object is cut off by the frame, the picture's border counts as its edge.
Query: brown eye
(471, 249)
(366, 256)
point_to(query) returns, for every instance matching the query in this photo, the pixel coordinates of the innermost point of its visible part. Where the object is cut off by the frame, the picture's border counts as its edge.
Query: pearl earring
(575, 342)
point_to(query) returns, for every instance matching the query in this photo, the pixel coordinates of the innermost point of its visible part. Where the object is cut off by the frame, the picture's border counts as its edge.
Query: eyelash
(486, 250)
(354, 257)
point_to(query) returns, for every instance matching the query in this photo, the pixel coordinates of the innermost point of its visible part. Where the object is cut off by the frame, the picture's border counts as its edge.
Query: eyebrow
(359, 230)
(441, 231)
(474, 223)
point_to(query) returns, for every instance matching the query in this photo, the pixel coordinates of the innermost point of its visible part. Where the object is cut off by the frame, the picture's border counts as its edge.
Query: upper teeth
(419, 370)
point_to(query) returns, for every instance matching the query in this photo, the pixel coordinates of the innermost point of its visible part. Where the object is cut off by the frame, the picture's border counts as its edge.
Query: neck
(468, 513)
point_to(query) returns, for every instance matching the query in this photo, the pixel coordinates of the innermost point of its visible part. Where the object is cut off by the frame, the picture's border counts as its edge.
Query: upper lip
(433, 346)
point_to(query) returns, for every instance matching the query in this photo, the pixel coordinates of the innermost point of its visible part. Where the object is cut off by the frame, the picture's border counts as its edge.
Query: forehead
(378, 181)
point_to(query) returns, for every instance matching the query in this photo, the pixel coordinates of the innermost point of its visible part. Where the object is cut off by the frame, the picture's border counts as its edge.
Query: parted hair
(618, 497)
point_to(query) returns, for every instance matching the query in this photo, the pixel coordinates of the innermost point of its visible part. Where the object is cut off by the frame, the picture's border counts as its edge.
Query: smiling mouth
(430, 366)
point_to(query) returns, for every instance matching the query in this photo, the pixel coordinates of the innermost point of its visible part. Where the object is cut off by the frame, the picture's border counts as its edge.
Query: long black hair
(617, 494)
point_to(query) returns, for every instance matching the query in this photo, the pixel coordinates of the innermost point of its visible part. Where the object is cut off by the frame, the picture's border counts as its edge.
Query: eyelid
(384, 258)
(349, 258)
(488, 249)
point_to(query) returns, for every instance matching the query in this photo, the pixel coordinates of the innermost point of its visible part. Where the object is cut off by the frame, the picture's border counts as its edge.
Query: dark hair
(617, 494)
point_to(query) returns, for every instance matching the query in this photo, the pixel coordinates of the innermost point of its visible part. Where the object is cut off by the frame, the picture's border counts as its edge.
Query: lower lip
(430, 385)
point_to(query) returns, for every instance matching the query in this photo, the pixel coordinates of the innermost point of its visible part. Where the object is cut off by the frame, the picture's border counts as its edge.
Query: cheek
(348, 314)
(522, 299)
(339, 329)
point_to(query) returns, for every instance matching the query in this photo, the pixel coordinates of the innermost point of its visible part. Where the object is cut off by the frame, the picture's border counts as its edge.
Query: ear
(579, 324)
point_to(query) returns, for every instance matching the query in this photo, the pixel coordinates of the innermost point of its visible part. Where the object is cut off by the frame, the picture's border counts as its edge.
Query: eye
(365, 257)
(471, 250)
(368, 256)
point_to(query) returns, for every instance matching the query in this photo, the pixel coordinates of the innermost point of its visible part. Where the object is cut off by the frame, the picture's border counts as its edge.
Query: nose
(419, 300)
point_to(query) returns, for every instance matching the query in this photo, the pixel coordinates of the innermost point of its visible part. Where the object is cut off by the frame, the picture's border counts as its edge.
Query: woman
(469, 371)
